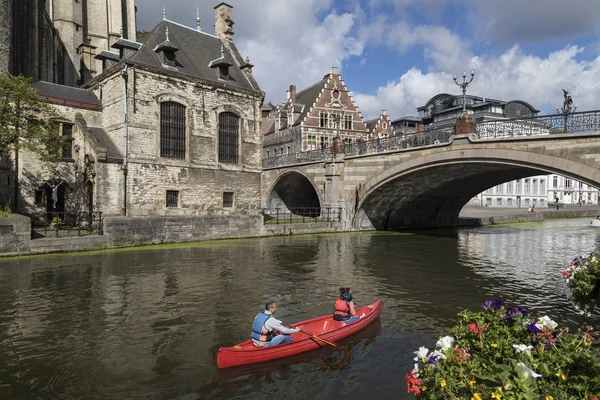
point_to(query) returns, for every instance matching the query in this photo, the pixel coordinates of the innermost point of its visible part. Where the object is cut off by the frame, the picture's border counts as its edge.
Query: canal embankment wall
(15, 232)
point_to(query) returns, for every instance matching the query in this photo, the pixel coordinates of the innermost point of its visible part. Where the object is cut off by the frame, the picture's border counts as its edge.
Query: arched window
(229, 132)
(172, 130)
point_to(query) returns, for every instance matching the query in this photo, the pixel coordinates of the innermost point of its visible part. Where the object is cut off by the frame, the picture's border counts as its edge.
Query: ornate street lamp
(567, 109)
(464, 124)
(464, 86)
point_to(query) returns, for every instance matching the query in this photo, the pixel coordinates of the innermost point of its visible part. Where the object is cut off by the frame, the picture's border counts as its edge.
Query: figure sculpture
(54, 193)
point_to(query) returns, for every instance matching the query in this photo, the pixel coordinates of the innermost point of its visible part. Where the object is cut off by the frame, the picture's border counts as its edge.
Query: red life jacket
(342, 310)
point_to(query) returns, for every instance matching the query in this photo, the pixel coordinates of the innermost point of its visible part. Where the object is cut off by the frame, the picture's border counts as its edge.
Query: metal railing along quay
(63, 224)
(301, 215)
(576, 122)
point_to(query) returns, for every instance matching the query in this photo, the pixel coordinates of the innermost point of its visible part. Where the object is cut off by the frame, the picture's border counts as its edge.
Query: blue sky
(396, 54)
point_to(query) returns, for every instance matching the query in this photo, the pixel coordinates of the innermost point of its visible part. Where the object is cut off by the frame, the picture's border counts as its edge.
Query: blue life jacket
(259, 331)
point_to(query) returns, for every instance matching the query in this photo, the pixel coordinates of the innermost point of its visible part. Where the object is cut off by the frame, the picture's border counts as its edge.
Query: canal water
(147, 323)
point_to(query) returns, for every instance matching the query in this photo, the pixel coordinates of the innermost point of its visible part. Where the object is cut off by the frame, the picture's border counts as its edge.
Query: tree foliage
(26, 121)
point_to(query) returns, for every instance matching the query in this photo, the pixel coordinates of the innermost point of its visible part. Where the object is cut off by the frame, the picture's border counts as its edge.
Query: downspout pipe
(124, 75)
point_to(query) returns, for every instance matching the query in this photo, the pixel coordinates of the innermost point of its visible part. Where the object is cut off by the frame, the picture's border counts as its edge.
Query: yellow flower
(539, 381)
(549, 398)
(472, 382)
(496, 396)
(494, 345)
(443, 383)
(476, 396)
(561, 376)
(423, 388)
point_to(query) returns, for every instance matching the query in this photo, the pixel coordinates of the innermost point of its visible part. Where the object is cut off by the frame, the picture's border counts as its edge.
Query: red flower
(461, 355)
(475, 328)
(412, 382)
(594, 398)
(565, 273)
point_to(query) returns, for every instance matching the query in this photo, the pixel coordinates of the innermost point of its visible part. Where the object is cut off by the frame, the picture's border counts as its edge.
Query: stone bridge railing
(585, 121)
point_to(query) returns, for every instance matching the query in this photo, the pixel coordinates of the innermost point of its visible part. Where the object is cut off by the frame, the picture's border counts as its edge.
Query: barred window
(173, 198)
(229, 128)
(227, 199)
(67, 145)
(172, 130)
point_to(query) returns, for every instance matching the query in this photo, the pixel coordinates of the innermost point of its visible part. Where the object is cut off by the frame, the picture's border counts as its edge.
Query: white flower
(421, 353)
(438, 354)
(416, 369)
(521, 348)
(546, 322)
(445, 342)
(526, 372)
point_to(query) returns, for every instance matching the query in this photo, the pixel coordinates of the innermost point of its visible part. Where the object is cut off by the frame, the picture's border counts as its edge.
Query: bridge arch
(430, 190)
(293, 190)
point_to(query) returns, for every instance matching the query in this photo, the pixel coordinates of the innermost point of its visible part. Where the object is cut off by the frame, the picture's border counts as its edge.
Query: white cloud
(514, 75)
(298, 41)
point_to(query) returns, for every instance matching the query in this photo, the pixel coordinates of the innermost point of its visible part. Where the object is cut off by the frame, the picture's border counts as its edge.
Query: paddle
(319, 338)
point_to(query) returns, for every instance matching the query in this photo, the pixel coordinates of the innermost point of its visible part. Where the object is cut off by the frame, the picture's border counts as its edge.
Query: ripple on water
(148, 324)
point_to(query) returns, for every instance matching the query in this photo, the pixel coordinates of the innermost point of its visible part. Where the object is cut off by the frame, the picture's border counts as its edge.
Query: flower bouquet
(583, 282)
(501, 353)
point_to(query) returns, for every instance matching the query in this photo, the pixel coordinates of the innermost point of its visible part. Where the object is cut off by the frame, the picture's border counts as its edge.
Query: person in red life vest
(265, 328)
(344, 307)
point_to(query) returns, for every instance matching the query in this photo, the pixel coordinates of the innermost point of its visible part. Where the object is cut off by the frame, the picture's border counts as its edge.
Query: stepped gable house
(169, 127)
(380, 126)
(310, 119)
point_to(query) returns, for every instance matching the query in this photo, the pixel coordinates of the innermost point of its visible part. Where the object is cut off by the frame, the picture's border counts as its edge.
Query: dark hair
(344, 290)
(269, 304)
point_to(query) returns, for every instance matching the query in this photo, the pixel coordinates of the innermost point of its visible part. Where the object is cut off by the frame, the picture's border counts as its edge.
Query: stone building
(309, 119)
(57, 40)
(380, 127)
(173, 127)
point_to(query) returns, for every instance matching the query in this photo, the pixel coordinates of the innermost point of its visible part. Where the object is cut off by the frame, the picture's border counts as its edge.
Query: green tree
(27, 123)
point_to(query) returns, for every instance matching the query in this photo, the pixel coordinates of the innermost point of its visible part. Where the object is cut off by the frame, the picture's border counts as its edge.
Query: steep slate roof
(196, 51)
(67, 95)
(371, 123)
(101, 140)
(308, 96)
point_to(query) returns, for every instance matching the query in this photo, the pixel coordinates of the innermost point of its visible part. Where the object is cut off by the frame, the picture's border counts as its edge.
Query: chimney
(383, 112)
(224, 22)
(334, 70)
(293, 93)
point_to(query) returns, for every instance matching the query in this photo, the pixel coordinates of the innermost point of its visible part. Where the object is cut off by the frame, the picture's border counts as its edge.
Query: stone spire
(198, 28)
(164, 12)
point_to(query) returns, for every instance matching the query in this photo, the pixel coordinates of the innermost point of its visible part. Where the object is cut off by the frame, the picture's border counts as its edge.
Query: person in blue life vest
(268, 331)
(345, 311)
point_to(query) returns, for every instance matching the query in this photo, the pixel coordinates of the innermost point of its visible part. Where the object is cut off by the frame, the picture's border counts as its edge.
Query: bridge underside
(433, 197)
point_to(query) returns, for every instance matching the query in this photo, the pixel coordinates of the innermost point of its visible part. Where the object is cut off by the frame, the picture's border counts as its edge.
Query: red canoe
(324, 327)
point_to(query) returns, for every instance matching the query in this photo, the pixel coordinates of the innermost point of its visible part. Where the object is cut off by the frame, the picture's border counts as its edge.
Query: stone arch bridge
(399, 186)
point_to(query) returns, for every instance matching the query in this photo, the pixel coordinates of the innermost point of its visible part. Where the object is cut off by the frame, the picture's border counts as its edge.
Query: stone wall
(135, 231)
(200, 179)
(15, 235)
(5, 34)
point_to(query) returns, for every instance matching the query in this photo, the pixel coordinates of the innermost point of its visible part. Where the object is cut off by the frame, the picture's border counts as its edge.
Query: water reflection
(148, 324)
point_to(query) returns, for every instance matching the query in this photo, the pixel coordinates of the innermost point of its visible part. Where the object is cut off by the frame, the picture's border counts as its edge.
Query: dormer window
(166, 51)
(221, 66)
(224, 72)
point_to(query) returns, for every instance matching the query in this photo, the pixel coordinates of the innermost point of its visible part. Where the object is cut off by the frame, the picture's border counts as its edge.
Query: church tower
(88, 27)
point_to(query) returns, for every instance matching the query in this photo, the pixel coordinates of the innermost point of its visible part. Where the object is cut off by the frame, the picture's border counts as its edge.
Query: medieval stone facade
(311, 118)
(173, 128)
